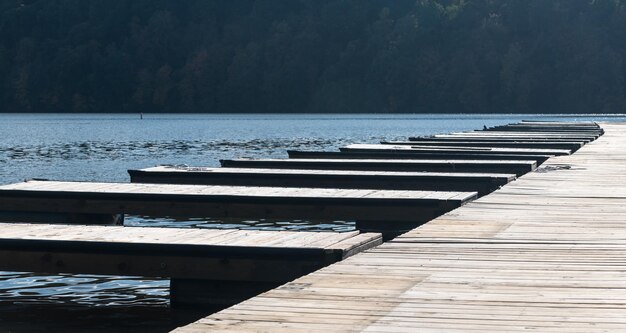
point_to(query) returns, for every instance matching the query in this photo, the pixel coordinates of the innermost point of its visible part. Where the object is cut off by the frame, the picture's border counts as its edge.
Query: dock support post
(214, 294)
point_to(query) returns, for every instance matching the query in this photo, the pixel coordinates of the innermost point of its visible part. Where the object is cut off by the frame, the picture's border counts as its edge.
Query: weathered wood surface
(549, 127)
(389, 210)
(430, 181)
(529, 135)
(563, 123)
(417, 149)
(304, 154)
(478, 136)
(546, 253)
(567, 145)
(545, 128)
(457, 138)
(234, 255)
(481, 166)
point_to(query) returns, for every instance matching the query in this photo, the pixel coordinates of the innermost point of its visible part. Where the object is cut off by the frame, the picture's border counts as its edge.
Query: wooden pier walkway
(258, 260)
(546, 253)
(426, 181)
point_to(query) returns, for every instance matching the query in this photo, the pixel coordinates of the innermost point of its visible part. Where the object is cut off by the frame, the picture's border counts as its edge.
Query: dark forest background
(440, 56)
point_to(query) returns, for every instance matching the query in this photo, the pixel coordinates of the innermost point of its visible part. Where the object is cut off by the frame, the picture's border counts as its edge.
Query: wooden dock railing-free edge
(544, 253)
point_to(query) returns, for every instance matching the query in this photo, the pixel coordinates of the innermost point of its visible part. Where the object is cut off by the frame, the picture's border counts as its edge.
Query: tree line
(419, 56)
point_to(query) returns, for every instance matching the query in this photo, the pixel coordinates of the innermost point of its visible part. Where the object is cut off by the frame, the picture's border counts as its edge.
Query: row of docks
(544, 253)
(387, 189)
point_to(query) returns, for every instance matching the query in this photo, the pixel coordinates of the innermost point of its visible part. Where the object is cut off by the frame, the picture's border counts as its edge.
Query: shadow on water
(80, 303)
(54, 318)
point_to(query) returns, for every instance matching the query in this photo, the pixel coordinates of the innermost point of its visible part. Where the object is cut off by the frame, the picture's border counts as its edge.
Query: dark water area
(101, 147)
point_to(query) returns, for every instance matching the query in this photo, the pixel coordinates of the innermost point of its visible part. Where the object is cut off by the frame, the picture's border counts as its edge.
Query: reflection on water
(80, 290)
(244, 224)
(67, 318)
(102, 147)
(80, 303)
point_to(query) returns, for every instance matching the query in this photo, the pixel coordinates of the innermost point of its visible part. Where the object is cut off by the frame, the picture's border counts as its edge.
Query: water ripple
(132, 150)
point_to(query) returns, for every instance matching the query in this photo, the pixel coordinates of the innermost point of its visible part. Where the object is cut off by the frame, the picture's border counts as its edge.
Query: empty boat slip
(380, 210)
(431, 181)
(417, 149)
(259, 260)
(300, 154)
(481, 166)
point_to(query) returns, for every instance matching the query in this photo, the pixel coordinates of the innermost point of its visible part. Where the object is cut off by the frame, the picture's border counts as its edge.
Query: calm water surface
(102, 147)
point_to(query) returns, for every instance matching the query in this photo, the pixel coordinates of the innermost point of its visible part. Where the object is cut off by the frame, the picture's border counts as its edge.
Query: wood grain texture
(416, 148)
(517, 167)
(303, 154)
(482, 183)
(233, 255)
(546, 253)
(387, 211)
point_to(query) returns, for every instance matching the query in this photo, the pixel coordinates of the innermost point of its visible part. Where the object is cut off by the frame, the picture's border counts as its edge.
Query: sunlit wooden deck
(386, 211)
(546, 253)
(567, 145)
(442, 155)
(517, 167)
(242, 262)
(482, 183)
(417, 149)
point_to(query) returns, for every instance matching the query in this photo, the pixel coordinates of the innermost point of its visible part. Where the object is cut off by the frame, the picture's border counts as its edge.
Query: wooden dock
(414, 165)
(459, 137)
(417, 149)
(575, 136)
(386, 211)
(302, 154)
(572, 146)
(545, 253)
(232, 259)
(555, 128)
(381, 180)
(387, 193)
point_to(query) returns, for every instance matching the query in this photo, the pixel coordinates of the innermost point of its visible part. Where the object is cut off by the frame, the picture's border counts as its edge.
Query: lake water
(102, 147)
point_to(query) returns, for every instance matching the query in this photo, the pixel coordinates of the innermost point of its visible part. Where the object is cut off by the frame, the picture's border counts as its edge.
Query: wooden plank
(299, 154)
(546, 128)
(173, 253)
(567, 145)
(379, 207)
(417, 149)
(453, 138)
(527, 135)
(481, 166)
(429, 181)
(562, 123)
